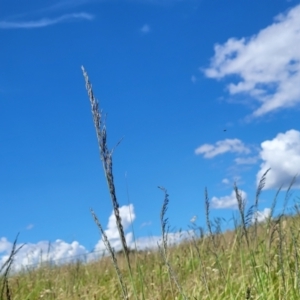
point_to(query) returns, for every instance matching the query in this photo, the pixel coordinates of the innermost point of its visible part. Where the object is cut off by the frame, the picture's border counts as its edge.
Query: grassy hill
(253, 261)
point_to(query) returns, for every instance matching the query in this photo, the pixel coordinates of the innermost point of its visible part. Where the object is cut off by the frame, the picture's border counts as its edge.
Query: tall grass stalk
(106, 157)
(163, 248)
(5, 289)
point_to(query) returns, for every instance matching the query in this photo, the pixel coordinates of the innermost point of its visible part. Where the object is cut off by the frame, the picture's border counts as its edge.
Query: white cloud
(246, 161)
(225, 180)
(227, 201)
(173, 238)
(268, 64)
(45, 21)
(30, 226)
(261, 215)
(227, 145)
(193, 79)
(5, 245)
(145, 29)
(282, 155)
(112, 229)
(66, 4)
(146, 224)
(32, 254)
(60, 252)
(193, 219)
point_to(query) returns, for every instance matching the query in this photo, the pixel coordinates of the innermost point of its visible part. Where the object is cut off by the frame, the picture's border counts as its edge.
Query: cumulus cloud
(261, 216)
(174, 238)
(227, 201)
(268, 64)
(31, 255)
(60, 252)
(282, 155)
(228, 145)
(45, 21)
(145, 29)
(5, 245)
(141, 243)
(127, 214)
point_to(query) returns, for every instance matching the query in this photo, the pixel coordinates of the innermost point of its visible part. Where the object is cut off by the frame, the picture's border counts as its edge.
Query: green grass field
(253, 261)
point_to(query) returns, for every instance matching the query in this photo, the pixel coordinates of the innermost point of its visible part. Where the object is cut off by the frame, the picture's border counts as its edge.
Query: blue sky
(171, 76)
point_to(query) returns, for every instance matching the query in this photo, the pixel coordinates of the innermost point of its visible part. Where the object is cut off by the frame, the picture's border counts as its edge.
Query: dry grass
(253, 261)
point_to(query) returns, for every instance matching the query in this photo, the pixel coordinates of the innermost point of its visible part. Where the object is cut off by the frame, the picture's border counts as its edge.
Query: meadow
(255, 260)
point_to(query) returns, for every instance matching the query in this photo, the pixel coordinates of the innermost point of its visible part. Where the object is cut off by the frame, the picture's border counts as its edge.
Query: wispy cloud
(145, 29)
(268, 64)
(246, 161)
(159, 2)
(45, 21)
(225, 181)
(221, 147)
(61, 5)
(193, 219)
(146, 224)
(30, 226)
(67, 4)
